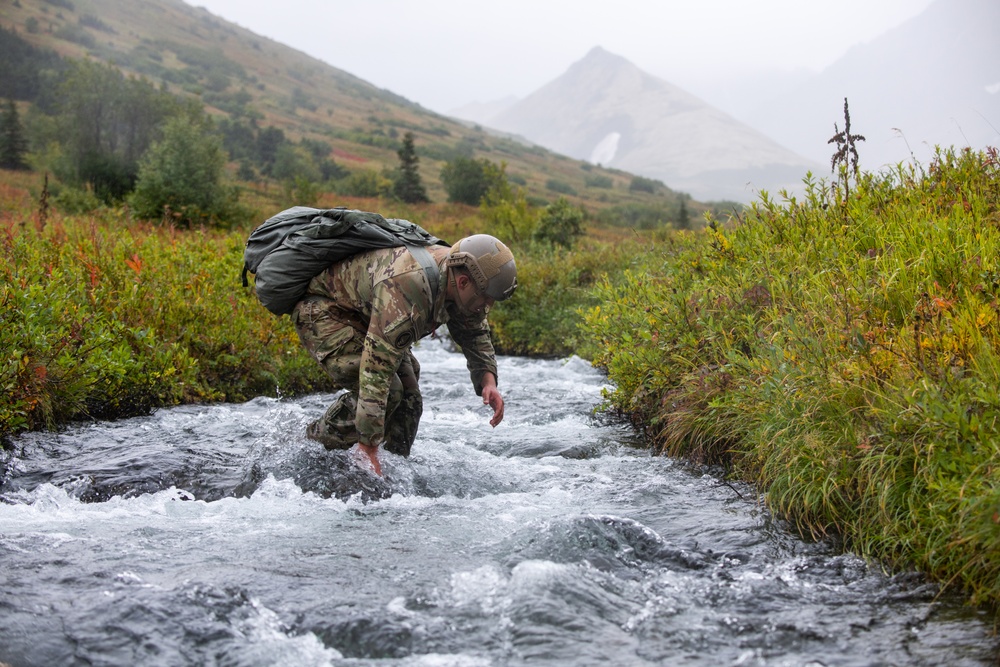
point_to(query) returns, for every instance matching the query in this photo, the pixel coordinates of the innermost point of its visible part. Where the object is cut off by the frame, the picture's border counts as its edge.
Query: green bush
(560, 224)
(637, 216)
(75, 201)
(599, 181)
(506, 209)
(561, 187)
(640, 184)
(365, 183)
(103, 321)
(544, 316)
(181, 177)
(293, 162)
(466, 180)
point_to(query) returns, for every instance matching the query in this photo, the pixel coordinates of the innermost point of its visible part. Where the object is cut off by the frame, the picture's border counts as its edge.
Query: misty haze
(934, 80)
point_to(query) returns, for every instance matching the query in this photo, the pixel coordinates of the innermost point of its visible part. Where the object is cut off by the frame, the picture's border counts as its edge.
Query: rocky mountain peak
(606, 110)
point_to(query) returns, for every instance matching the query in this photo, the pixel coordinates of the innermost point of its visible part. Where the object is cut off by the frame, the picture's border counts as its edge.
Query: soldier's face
(470, 299)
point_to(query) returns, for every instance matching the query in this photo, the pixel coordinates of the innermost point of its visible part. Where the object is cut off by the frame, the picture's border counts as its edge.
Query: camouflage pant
(332, 339)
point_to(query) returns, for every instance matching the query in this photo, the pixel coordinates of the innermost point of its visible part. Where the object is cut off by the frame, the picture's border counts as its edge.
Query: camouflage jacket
(386, 295)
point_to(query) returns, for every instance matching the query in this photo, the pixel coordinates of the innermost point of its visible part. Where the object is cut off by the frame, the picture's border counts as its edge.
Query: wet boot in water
(335, 429)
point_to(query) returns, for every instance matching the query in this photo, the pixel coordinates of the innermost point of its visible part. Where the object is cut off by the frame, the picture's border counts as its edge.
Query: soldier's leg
(335, 429)
(337, 346)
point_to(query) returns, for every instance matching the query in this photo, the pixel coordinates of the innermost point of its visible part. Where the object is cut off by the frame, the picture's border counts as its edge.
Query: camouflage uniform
(358, 320)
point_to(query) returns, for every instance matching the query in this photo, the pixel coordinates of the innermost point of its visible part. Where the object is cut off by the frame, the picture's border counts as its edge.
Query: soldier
(361, 316)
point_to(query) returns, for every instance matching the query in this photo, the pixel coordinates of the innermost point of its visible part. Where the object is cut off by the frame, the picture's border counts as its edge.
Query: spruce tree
(13, 143)
(408, 185)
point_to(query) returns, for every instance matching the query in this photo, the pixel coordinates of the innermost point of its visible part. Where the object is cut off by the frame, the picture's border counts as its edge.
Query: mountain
(239, 75)
(934, 79)
(607, 111)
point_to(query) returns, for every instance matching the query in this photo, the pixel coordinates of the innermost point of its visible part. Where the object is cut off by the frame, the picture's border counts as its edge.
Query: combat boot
(335, 429)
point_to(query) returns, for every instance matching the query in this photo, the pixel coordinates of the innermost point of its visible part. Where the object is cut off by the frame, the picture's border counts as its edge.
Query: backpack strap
(430, 267)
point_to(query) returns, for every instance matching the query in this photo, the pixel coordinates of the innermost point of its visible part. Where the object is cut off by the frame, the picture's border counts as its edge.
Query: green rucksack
(289, 249)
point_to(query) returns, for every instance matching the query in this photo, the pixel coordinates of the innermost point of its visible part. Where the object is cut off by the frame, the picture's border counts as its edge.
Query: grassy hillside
(238, 74)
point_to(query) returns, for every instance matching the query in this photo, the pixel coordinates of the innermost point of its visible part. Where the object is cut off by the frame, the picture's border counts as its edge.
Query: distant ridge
(606, 110)
(483, 112)
(248, 79)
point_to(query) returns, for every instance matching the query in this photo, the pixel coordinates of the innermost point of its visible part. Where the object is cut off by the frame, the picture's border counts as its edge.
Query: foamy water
(220, 535)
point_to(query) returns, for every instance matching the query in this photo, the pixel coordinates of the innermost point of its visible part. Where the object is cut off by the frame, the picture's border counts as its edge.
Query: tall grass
(554, 285)
(843, 352)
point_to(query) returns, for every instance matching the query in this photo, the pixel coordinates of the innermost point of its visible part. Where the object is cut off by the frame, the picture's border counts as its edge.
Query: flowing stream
(220, 535)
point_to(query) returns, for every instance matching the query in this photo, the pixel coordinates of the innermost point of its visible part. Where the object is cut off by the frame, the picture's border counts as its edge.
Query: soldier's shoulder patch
(400, 332)
(404, 339)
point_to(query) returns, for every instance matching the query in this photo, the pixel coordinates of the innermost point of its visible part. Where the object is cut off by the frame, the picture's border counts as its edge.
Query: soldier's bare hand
(492, 398)
(367, 456)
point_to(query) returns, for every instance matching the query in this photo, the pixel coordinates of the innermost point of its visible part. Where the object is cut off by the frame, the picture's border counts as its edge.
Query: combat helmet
(489, 262)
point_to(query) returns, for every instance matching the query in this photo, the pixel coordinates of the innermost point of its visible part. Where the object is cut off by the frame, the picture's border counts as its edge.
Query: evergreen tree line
(99, 132)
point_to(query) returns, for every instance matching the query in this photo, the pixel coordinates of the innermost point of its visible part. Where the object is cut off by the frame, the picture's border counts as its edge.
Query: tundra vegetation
(841, 352)
(106, 315)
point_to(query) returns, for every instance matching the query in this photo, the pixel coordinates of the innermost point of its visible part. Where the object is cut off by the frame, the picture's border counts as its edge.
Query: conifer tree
(13, 143)
(408, 185)
(683, 217)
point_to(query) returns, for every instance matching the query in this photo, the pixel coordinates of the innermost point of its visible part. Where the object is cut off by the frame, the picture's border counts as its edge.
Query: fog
(917, 72)
(444, 54)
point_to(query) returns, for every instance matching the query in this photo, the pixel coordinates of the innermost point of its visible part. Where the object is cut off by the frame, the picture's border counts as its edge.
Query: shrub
(466, 180)
(560, 224)
(365, 183)
(505, 208)
(75, 201)
(292, 163)
(102, 321)
(181, 176)
(640, 184)
(599, 181)
(555, 286)
(561, 187)
(637, 216)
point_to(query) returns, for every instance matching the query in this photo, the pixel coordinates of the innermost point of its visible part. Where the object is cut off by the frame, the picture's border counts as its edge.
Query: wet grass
(843, 353)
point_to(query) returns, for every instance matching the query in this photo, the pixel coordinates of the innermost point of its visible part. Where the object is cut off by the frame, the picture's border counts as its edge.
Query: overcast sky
(444, 54)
